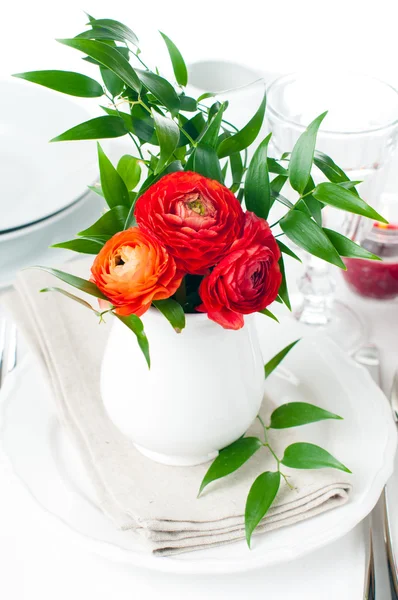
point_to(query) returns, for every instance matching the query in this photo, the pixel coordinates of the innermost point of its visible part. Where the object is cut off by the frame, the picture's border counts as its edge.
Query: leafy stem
(140, 60)
(112, 100)
(268, 445)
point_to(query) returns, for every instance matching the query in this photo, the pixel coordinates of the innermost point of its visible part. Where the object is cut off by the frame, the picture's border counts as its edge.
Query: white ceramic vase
(203, 390)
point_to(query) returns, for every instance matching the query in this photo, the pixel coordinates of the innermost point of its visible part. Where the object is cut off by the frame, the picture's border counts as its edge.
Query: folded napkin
(155, 501)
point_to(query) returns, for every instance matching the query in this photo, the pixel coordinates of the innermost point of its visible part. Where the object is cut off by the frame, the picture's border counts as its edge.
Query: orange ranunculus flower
(133, 269)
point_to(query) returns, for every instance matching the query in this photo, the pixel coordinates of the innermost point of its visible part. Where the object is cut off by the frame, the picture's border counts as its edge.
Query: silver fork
(8, 349)
(377, 558)
(391, 551)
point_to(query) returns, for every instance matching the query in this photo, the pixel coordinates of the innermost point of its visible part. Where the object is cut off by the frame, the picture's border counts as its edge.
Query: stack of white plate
(44, 197)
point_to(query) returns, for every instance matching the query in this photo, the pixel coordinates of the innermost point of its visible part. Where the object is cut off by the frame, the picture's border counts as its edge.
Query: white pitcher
(202, 392)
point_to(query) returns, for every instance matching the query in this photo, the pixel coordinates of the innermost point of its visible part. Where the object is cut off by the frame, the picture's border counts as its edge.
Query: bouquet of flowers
(186, 227)
(180, 240)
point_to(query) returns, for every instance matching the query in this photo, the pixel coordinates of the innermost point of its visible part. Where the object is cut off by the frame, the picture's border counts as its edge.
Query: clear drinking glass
(360, 134)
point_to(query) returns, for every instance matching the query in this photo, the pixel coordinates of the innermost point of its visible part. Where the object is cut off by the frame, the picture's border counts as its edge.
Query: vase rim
(194, 319)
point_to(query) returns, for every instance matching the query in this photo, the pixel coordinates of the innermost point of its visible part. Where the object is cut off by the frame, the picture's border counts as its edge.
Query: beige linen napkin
(155, 501)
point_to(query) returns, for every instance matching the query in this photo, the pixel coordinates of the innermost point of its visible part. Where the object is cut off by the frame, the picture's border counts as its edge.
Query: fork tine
(369, 586)
(2, 346)
(12, 349)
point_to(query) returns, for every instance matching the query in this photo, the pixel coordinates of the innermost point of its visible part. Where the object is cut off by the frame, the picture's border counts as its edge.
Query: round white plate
(316, 371)
(30, 245)
(37, 178)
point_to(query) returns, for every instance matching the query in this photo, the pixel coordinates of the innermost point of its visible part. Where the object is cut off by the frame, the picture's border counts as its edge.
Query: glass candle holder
(376, 279)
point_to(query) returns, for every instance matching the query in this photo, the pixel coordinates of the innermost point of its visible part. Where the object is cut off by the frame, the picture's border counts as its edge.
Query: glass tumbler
(360, 134)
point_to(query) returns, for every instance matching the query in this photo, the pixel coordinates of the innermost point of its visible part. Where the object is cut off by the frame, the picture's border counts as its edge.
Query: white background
(36, 562)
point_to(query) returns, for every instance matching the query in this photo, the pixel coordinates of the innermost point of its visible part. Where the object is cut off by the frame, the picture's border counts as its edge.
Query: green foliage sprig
(171, 131)
(300, 455)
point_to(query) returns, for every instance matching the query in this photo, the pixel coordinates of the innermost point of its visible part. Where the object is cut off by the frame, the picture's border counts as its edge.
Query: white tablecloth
(38, 563)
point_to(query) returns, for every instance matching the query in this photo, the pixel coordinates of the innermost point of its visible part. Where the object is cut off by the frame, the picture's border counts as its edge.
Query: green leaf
(109, 57)
(112, 82)
(194, 127)
(113, 186)
(309, 456)
(129, 170)
(188, 104)
(339, 197)
(306, 234)
(99, 33)
(282, 200)
(161, 89)
(66, 82)
(115, 27)
(81, 284)
(89, 17)
(346, 247)
(139, 122)
(350, 185)
(275, 167)
(283, 291)
(236, 170)
(330, 169)
(286, 250)
(80, 245)
(95, 129)
(96, 189)
(206, 162)
(277, 184)
(206, 95)
(135, 324)
(246, 136)
(168, 135)
(214, 108)
(71, 297)
(108, 224)
(257, 187)
(277, 359)
(210, 136)
(261, 495)
(302, 156)
(269, 314)
(179, 66)
(302, 207)
(230, 459)
(294, 414)
(224, 171)
(315, 209)
(126, 118)
(173, 312)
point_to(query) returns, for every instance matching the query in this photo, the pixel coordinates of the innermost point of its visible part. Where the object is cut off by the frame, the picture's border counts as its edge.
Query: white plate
(316, 371)
(29, 245)
(39, 179)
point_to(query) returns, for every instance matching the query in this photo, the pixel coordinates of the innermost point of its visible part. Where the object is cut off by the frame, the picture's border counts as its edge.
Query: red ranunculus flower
(196, 218)
(133, 269)
(246, 280)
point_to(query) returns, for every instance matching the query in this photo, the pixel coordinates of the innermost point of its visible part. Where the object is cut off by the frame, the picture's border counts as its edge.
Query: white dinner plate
(30, 245)
(45, 460)
(39, 179)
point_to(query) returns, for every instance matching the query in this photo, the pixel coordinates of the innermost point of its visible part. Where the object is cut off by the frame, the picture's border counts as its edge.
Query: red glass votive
(373, 278)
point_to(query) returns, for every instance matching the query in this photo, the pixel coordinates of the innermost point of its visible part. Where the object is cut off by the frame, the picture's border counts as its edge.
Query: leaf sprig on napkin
(300, 455)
